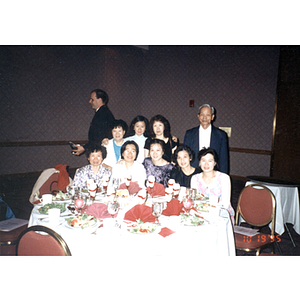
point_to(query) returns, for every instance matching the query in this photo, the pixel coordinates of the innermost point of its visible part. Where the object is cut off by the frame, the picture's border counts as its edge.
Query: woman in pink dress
(211, 182)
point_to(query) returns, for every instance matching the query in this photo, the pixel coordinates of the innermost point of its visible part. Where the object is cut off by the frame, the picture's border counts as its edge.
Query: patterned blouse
(86, 172)
(161, 173)
(220, 187)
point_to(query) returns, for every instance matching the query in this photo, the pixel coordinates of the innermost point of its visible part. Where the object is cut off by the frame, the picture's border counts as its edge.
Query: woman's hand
(105, 142)
(121, 162)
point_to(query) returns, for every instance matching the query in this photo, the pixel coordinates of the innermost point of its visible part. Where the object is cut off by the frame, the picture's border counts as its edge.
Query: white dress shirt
(204, 137)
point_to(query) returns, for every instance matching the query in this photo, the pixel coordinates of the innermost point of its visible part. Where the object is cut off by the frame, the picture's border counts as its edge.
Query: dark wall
(286, 148)
(45, 91)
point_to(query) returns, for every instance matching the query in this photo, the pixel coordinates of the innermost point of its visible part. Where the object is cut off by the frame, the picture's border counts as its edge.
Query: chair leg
(288, 231)
(278, 247)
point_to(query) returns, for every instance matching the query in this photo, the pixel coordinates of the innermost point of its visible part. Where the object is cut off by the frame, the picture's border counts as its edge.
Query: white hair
(207, 105)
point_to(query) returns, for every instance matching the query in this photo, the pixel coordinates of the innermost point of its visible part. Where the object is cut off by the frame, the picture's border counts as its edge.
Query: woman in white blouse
(129, 165)
(138, 132)
(212, 183)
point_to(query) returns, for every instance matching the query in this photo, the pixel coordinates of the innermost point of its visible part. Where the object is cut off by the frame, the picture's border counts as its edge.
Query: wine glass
(113, 207)
(128, 180)
(156, 211)
(187, 203)
(116, 184)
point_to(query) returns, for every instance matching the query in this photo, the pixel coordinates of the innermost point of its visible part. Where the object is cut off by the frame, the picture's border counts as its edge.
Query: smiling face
(95, 158)
(205, 117)
(139, 128)
(207, 163)
(118, 134)
(156, 152)
(129, 153)
(183, 159)
(158, 128)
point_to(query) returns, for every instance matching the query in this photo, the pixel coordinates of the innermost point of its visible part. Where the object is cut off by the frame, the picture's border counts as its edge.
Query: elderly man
(206, 135)
(100, 127)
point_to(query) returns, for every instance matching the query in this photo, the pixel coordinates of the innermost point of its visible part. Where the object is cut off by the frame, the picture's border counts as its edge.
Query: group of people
(148, 148)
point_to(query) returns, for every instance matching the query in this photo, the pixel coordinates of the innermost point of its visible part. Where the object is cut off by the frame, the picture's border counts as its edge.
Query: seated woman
(156, 165)
(138, 132)
(113, 147)
(212, 182)
(95, 170)
(159, 128)
(183, 172)
(129, 165)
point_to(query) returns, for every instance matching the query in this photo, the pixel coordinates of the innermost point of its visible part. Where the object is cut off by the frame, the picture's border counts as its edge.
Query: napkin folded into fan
(98, 210)
(165, 231)
(174, 208)
(132, 189)
(140, 211)
(157, 190)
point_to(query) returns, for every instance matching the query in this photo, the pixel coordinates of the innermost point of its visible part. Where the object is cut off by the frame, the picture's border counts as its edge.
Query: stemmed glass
(156, 211)
(113, 207)
(116, 184)
(187, 203)
(127, 181)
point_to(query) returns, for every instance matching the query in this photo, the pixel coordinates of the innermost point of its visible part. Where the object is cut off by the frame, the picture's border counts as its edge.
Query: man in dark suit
(100, 127)
(206, 135)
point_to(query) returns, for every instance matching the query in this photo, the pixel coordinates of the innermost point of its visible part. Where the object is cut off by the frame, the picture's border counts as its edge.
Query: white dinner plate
(89, 229)
(46, 220)
(36, 211)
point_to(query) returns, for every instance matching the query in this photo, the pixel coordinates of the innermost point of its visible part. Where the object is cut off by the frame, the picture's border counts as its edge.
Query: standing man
(100, 127)
(206, 135)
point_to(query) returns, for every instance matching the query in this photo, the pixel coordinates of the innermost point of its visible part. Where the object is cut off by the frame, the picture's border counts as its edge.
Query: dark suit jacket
(100, 127)
(218, 141)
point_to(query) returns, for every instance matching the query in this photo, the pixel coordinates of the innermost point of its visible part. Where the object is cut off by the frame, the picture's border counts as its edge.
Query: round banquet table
(212, 239)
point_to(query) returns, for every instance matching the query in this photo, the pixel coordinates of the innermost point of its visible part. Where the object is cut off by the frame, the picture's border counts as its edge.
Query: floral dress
(86, 172)
(161, 173)
(220, 187)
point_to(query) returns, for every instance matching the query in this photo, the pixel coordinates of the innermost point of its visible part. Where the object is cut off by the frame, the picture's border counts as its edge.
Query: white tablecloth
(287, 206)
(214, 239)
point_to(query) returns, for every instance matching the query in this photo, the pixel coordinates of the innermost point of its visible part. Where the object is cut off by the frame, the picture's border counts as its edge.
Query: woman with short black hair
(182, 174)
(95, 170)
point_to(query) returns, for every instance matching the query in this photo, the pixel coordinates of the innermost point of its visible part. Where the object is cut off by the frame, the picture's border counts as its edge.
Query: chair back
(50, 185)
(257, 206)
(41, 241)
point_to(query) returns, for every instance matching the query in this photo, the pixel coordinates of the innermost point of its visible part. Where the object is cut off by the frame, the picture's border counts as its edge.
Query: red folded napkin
(158, 190)
(140, 211)
(174, 208)
(98, 210)
(63, 177)
(132, 189)
(165, 231)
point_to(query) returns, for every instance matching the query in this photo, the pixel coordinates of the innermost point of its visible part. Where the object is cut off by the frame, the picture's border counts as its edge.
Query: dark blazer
(218, 141)
(100, 127)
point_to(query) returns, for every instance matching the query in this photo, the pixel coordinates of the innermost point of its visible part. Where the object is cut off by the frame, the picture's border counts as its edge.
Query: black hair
(167, 127)
(101, 94)
(130, 143)
(119, 123)
(211, 151)
(138, 118)
(96, 148)
(158, 141)
(186, 148)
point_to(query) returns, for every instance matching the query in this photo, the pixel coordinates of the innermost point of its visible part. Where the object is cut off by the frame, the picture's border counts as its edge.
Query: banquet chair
(257, 206)
(50, 185)
(41, 241)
